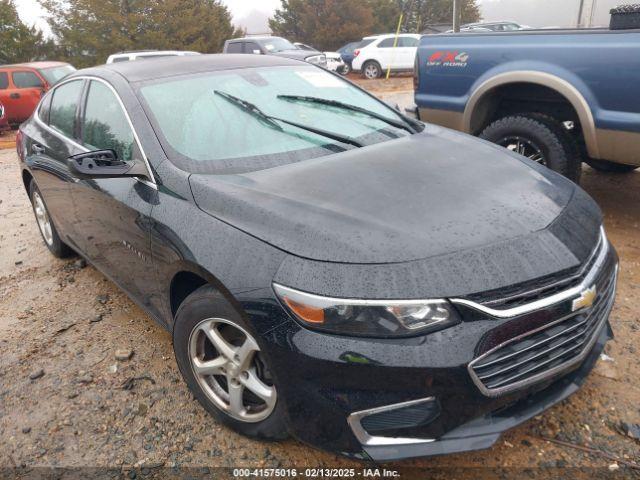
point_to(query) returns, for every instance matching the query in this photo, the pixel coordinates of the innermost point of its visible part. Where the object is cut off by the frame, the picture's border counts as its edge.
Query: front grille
(540, 353)
(546, 286)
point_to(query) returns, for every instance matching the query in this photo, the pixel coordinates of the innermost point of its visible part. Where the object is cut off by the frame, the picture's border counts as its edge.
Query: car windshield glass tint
(274, 45)
(204, 133)
(55, 74)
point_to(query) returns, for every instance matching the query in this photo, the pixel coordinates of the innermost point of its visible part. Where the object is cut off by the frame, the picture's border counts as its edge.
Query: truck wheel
(371, 70)
(539, 138)
(610, 167)
(221, 360)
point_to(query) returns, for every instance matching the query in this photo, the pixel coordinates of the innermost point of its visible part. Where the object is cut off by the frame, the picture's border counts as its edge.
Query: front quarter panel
(184, 238)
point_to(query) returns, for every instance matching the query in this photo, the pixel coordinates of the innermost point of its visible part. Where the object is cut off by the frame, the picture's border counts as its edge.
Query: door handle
(14, 95)
(37, 149)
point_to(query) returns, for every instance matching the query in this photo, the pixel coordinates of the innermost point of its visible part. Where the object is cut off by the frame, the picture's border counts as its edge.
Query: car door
(407, 50)
(113, 214)
(387, 54)
(27, 91)
(50, 140)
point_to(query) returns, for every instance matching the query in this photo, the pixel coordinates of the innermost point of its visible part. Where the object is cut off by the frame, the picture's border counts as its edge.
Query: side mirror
(103, 164)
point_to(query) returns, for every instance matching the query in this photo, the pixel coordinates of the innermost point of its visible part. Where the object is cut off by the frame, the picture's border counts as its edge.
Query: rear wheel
(539, 138)
(371, 70)
(48, 231)
(610, 167)
(221, 361)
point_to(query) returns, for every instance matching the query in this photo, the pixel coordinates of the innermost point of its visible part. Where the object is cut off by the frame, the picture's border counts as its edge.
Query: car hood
(295, 54)
(429, 194)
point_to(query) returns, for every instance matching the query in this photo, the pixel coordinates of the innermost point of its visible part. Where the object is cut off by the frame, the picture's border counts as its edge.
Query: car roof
(152, 69)
(260, 37)
(36, 65)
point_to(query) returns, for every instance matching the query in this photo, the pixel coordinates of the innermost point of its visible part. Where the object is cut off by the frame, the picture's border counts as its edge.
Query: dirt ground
(65, 401)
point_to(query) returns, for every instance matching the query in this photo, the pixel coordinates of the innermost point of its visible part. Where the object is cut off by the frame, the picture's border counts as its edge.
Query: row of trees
(87, 31)
(329, 24)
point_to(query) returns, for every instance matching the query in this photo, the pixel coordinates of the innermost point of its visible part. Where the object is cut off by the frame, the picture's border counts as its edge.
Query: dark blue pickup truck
(556, 96)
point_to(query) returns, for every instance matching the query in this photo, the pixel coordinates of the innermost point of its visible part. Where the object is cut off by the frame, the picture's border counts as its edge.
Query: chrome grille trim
(550, 300)
(590, 333)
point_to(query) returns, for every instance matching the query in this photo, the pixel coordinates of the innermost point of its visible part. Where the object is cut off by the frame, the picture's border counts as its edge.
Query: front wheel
(221, 361)
(539, 138)
(345, 70)
(610, 167)
(371, 70)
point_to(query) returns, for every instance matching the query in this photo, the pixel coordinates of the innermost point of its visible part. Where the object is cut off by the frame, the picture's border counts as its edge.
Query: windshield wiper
(404, 125)
(271, 121)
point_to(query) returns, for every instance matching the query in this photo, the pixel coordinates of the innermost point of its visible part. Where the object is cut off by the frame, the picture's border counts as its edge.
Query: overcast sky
(253, 14)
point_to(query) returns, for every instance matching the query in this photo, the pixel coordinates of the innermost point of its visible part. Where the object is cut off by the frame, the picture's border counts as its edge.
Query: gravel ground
(66, 401)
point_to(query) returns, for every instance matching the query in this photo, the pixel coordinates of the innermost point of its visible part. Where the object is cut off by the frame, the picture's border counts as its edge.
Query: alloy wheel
(524, 147)
(228, 365)
(42, 217)
(371, 71)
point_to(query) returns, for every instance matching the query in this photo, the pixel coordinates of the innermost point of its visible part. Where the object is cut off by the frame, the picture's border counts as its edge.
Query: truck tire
(371, 70)
(610, 167)
(540, 138)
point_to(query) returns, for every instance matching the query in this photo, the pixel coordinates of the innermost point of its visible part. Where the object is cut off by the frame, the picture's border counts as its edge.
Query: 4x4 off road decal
(448, 59)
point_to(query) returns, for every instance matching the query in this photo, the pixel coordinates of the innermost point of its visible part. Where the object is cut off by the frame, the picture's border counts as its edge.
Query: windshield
(277, 44)
(55, 74)
(205, 133)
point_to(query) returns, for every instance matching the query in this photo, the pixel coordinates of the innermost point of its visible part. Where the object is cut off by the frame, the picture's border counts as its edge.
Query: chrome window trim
(281, 289)
(495, 392)
(548, 301)
(354, 421)
(152, 183)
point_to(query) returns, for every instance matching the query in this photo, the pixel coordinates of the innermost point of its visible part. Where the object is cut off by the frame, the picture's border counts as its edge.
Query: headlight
(317, 59)
(372, 318)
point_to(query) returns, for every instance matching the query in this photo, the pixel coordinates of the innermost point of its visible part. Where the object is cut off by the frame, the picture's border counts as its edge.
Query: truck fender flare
(563, 87)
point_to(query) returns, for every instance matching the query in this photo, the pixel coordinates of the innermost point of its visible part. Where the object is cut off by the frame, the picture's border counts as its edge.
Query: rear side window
(105, 125)
(62, 114)
(235, 47)
(45, 107)
(26, 80)
(386, 43)
(120, 59)
(251, 47)
(4, 80)
(408, 42)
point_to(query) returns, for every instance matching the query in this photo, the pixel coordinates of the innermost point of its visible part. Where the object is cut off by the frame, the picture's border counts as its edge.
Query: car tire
(345, 70)
(539, 137)
(371, 70)
(47, 229)
(610, 167)
(202, 312)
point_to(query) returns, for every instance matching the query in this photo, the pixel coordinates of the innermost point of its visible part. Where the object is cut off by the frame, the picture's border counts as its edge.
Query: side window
(234, 47)
(408, 42)
(62, 115)
(249, 47)
(44, 108)
(386, 43)
(4, 80)
(120, 59)
(105, 125)
(26, 80)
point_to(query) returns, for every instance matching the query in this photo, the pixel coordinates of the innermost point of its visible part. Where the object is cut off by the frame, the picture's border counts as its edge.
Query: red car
(22, 86)
(4, 123)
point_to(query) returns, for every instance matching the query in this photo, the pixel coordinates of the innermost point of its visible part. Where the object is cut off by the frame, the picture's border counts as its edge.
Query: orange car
(4, 123)
(22, 86)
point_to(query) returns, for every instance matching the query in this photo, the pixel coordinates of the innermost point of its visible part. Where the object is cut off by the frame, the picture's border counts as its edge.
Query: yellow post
(395, 44)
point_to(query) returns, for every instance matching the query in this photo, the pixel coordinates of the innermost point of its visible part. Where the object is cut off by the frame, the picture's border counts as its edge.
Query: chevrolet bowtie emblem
(585, 300)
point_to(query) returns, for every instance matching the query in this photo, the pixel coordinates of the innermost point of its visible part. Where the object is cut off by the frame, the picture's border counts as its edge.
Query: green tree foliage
(328, 24)
(88, 31)
(325, 24)
(19, 42)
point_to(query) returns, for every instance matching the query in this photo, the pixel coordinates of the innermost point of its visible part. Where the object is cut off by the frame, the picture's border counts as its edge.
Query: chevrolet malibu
(328, 268)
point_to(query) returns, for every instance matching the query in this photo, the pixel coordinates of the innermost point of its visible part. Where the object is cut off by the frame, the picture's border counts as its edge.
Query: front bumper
(483, 432)
(324, 379)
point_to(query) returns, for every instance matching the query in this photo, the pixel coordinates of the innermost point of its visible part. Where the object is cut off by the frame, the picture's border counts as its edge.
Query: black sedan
(328, 268)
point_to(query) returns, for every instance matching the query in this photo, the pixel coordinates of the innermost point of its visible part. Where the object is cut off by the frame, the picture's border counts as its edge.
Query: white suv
(147, 54)
(377, 56)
